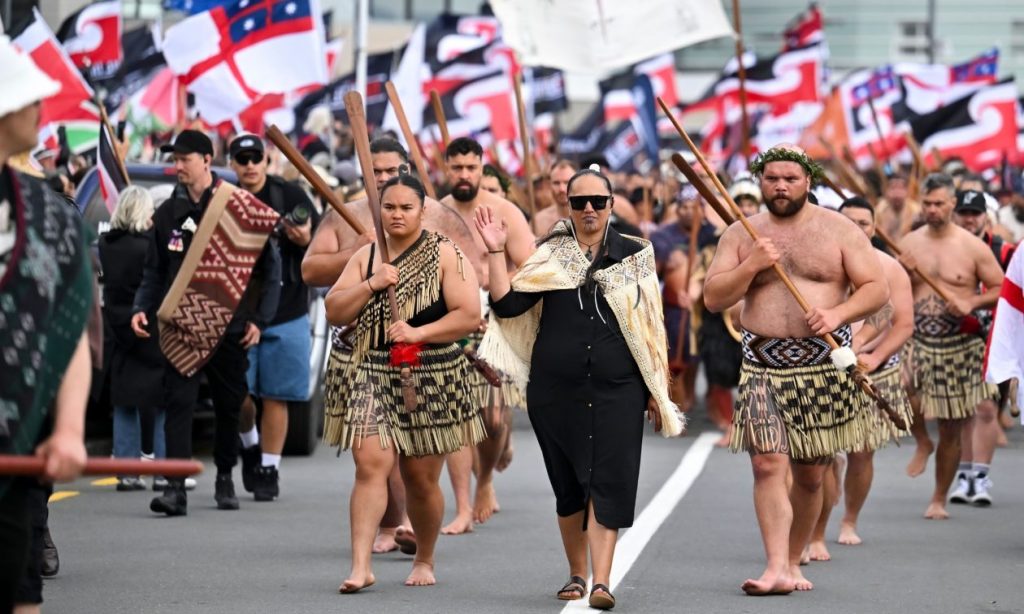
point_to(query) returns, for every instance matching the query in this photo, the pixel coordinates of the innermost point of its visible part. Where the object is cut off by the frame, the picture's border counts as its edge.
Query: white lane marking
(635, 539)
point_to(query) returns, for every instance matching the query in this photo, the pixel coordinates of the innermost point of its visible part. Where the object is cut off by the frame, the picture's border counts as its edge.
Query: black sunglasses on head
(244, 158)
(598, 201)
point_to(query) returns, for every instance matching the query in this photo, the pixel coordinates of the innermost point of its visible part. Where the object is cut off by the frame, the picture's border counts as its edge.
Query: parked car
(305, 420)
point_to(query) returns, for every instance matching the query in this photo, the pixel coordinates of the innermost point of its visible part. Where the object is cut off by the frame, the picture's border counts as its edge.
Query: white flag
(596, 36)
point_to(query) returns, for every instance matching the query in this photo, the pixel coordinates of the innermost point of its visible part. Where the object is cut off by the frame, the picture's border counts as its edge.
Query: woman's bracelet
(368, 285)
(496, 251)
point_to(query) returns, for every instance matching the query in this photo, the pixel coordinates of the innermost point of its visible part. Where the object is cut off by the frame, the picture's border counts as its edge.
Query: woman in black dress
(597, 362)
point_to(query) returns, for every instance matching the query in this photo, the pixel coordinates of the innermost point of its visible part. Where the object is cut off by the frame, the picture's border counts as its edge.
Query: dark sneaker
(224, 493)
(51, 561)
(266, 487)
(174, 501)
(251, 459)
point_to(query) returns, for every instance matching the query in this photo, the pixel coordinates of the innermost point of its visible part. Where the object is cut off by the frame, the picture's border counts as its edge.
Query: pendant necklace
(586, 253)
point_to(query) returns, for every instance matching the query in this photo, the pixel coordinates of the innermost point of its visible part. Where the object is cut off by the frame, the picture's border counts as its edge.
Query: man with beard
(559, 181)
(1011, 217)
(981, 434)
(464, 160)
(896, 212)
(796, 407)
(945, 362)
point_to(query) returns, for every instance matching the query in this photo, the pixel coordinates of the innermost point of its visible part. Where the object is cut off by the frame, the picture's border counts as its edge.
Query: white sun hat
(21, 82)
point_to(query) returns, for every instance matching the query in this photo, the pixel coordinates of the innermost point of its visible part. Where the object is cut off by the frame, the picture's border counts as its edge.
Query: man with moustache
(464, 160)
(980, 436)
(558, 179)
(944, 360)
(796, 407)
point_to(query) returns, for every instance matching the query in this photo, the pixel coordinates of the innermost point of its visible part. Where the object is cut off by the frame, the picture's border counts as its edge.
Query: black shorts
(21, 542)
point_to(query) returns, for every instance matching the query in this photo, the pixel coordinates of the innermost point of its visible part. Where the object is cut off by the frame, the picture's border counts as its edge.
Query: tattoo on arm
(880, 318)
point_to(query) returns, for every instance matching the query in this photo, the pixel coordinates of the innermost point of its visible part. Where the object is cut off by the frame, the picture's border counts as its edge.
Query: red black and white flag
(112, 180)
(780, 81)
(1006, 344)
(378, 71)
(979, 128)
(92, 34)
(805, 29)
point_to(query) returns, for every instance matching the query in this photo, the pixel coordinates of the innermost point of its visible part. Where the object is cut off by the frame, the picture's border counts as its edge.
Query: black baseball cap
(245, 142)
(190, 141)
(970, 201)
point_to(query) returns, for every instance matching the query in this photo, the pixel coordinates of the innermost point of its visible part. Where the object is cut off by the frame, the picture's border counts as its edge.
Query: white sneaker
(190, 484)
(981, 496)
(964, 489)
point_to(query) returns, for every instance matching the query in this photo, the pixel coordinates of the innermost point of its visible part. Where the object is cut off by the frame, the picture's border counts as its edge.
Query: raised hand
(493, 231)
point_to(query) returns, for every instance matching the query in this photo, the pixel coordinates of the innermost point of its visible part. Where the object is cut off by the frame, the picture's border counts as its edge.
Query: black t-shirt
(284, 197)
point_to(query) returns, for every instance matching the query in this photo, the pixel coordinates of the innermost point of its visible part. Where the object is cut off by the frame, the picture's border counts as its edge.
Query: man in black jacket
(173, 227)
(279, 364)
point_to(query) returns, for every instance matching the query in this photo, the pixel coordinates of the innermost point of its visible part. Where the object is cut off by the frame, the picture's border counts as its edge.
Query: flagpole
(742, 72)
(105, 125)
(878, 129)
(362, 24)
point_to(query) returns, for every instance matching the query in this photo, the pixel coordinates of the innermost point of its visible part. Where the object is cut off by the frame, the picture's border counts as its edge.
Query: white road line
(635, 539)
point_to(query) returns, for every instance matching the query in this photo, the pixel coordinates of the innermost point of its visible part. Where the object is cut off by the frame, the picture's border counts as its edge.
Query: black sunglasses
(244, 158)
(598, 201)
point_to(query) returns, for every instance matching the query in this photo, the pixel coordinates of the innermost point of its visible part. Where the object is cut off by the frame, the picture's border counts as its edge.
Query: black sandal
(575, 585)
(603, 600)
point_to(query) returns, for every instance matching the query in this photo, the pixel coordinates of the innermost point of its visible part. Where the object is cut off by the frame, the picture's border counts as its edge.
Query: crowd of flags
(243, 64)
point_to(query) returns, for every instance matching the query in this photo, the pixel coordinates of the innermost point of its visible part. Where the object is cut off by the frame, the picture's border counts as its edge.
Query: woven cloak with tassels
(632, 291)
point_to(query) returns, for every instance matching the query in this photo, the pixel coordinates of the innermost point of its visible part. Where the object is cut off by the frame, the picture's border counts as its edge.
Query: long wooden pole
(442, 121)
(410, 138)
(894, 248)
(306, 170)
(741, 71)
(524, 137)
(857, 373)
(11, 464)
(361, 139)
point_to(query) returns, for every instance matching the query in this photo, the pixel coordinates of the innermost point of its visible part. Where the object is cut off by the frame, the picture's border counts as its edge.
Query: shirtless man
(877, 343)
(945, 366)
(825, 255)
(464, 160)
(331, 248)
(559, 177)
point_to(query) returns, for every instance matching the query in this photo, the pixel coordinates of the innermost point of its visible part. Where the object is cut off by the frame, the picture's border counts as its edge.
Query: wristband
(369, 286)
(496, 251)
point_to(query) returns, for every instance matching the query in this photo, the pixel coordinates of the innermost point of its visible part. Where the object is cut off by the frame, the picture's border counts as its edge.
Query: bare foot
(406, 540)
(817, 551)
(848, 535)
(463, 523)
(385, 541)
(726, 437)
(356, 582)
(936, 511)
(805, 556)
(769, 584)
(485, 503)
(506, 456)
(422, 575)
(800, 582)
(917, 464)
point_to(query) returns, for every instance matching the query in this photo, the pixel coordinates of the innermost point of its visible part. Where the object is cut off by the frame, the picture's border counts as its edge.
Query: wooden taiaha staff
(741, 72)
(11, 464)
(524, 137)
(936, 286)
(361, 138)
(878, 130)
(442, 121)
(410, 138)
(856, 372)
(306, 170)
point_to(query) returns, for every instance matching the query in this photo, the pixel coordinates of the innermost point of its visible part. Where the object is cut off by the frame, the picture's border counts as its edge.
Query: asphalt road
(291, 554)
